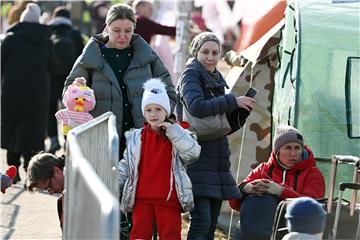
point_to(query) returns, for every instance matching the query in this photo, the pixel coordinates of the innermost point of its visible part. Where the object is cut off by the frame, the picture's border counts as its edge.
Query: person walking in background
(116, 63)
(146, 27)
(154, 168)
(68, 45)
(15, 11)
(26, 55)
(306, 219)
(98, 11)
(290, 172)
(164, 45)
(201, 88)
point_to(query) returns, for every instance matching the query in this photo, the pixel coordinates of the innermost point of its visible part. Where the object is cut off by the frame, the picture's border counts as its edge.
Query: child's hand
(164, 125)
(6, 182)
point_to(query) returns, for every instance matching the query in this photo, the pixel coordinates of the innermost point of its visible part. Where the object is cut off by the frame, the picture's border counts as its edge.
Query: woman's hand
(272, 187)
(247, 188)
(256, 187)
(259, 187)
(247, 103)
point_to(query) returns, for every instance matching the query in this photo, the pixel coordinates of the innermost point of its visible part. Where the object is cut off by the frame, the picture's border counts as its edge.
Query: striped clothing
(73, 118)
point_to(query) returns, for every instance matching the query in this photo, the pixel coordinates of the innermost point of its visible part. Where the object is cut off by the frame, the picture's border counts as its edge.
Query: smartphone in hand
(251, 92)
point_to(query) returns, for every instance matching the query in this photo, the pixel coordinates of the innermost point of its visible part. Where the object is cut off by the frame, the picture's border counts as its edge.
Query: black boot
(54, 145)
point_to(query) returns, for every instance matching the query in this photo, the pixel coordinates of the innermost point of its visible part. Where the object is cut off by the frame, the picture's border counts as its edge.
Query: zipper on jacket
(111, 96)
(172, 177)
(283, 177)
(177, 170)
(127, 90)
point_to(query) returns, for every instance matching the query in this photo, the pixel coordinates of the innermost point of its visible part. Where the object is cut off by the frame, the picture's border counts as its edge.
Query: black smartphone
(171, 118)
(168, 120)
(251, 92)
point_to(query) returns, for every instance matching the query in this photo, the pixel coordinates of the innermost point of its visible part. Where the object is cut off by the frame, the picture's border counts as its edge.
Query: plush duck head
(79, 98)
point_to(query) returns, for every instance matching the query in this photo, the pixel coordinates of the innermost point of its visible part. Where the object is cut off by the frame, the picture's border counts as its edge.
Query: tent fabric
(260, 17)
(309, 92)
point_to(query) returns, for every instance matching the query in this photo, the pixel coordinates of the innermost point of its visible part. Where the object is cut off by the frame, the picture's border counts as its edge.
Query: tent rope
(240, 156)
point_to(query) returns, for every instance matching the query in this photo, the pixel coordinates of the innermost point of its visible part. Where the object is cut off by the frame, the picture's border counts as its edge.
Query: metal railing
(91, 207)
(99, 144)
(344, 159)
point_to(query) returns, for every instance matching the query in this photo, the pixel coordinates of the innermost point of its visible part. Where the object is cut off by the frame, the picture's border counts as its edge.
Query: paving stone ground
(26, 215)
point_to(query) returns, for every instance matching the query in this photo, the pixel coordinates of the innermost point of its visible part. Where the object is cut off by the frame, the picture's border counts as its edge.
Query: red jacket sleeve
(258, 173)
(313, 186)
(146, 28)
(162, 29)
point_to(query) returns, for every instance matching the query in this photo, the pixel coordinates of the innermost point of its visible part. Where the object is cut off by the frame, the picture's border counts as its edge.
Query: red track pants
(166, 218)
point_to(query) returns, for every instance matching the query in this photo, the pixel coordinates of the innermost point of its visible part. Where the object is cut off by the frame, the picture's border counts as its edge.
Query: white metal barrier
(91, 207)
(99, 144)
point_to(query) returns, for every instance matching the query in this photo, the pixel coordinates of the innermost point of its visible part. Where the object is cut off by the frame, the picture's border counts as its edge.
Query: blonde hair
(120, 11)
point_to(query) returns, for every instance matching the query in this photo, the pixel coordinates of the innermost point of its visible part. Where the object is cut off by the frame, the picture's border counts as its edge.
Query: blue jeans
(257, 217)
(203, 218)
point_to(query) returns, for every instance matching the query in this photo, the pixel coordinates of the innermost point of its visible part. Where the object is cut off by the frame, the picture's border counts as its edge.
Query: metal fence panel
(91, 208)
(99, 144)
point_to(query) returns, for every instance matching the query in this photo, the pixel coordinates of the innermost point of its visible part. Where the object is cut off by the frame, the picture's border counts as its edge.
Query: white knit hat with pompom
(155, 93)
(31, 13)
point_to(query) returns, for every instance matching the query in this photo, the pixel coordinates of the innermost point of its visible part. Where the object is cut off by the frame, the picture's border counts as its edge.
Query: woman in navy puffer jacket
(201, 89)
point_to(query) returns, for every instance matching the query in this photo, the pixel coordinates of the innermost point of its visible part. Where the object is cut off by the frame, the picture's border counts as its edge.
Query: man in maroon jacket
(146, 27)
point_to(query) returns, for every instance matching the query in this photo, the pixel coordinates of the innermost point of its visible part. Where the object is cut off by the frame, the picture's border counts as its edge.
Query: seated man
(45, 172)
(290, 172)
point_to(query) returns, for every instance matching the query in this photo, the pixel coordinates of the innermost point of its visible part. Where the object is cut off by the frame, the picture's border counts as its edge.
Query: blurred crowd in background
(77, 21)
(88, 16)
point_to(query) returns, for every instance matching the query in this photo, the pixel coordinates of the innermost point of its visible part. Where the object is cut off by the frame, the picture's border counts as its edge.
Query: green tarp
(320, 40)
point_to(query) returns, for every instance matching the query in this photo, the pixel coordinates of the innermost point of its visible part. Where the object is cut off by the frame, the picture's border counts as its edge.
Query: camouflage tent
(306, 69)
(317, 87)
(310, 79)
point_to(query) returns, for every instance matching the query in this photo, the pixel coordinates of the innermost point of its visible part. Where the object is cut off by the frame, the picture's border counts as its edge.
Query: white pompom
(154, 83)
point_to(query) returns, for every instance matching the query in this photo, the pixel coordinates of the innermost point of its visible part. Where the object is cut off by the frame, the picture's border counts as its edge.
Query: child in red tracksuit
(152, 175)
